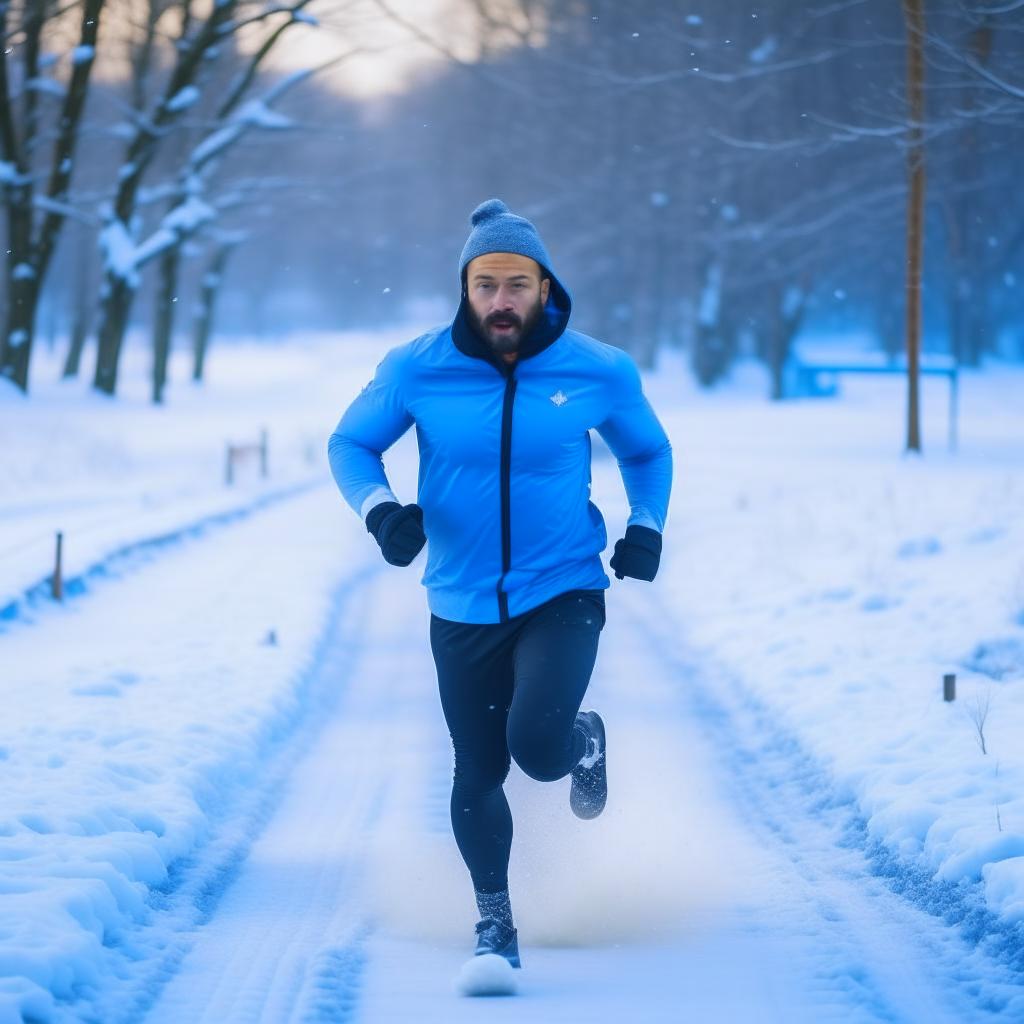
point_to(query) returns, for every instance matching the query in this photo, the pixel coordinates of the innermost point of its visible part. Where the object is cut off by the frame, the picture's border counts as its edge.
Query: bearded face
(506, 296)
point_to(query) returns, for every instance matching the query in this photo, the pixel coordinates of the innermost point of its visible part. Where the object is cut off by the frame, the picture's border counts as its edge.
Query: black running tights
(512, 689)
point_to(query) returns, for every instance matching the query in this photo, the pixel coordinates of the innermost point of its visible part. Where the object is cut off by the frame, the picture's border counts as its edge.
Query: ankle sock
(495, 905)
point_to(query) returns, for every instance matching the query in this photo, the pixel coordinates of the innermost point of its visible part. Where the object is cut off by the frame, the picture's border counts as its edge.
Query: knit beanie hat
(497, 229)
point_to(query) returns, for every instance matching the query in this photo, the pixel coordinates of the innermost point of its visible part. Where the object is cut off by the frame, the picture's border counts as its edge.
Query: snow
(185, 218)
(253, 114)
(82, 54)
(228, 770)
(766, 50)
(47, 86)
(839, 581)
(123, 257)
(257, 114)
(118, 251)
(113, 477)
(64, 209)
(183, 99)
(214, 143)
(486, 975)
(126, 746)
(23, 272)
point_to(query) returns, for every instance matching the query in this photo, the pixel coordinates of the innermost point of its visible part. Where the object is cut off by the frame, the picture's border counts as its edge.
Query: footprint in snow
(919, 547)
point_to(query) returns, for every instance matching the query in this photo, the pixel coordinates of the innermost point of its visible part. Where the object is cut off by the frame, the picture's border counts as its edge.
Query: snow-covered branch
(65, 210)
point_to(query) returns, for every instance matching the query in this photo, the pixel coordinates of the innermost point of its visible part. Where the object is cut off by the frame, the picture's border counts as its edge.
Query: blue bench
(821, 380)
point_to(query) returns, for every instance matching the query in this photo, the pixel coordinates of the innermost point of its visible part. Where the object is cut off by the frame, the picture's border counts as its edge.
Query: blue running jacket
(504, 474)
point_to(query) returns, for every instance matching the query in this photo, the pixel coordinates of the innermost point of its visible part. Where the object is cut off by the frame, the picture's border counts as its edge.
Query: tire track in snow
(917, 950)
(331, 992)
(197, 886)
(286, 941)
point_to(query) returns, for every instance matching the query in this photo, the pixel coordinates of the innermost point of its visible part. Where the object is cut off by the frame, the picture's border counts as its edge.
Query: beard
(507, 341)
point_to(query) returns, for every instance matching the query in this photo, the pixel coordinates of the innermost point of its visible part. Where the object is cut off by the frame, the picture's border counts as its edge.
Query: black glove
(638, 553)
(398, 529)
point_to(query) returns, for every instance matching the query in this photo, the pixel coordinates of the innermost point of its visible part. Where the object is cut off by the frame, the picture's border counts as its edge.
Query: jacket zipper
(506, 500)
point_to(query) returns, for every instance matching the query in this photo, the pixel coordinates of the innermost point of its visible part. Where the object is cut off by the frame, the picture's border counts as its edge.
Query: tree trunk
(81, 313)
(914, 14)
(19, 331)
(164, 327)
(790, 314)
(22, 289)
(712, 347)
(114, 310)
(207, 301)
(79, 333)
(29, 255)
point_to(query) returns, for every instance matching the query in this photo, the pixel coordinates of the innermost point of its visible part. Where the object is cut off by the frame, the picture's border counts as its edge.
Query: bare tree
(187, 213)
(35, 218)
(194, 47)
(180, 92)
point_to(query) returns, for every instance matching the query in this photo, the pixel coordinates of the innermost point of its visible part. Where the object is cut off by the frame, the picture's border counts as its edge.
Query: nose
(503, 299)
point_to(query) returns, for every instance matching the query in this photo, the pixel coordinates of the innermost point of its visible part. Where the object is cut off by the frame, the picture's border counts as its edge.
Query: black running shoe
(590, 777)
(493, 937)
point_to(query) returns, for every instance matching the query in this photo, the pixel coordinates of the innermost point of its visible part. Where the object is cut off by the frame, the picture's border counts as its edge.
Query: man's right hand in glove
(398, 529)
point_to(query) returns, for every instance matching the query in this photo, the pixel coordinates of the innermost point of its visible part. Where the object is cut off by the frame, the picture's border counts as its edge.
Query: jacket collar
(548, 330)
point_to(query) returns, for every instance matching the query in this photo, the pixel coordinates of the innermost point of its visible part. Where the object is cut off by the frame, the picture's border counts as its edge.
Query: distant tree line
(714, 177)
(721, 176)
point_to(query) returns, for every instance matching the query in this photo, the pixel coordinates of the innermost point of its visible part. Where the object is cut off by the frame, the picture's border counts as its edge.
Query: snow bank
(839, 580)
(109, 474)
(142, 722)
(805, 556)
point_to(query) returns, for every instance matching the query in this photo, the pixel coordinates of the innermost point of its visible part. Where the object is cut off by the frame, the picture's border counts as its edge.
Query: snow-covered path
(708, 890)
(225, 774)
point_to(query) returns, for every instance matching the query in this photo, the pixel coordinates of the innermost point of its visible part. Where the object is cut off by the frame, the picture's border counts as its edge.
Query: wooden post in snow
(57, 583)
(949, 686)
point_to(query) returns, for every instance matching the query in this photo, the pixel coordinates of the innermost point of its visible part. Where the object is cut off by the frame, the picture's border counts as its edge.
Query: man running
(503, 400)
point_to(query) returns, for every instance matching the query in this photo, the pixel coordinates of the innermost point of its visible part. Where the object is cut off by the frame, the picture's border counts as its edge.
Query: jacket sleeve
(374, 421)
(639, 443)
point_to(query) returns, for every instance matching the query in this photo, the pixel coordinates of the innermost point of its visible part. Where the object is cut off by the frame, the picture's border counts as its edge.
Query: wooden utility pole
(913, 12)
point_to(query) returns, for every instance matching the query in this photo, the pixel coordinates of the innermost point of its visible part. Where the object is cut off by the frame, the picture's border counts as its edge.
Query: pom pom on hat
(487, 210)
(497, 229)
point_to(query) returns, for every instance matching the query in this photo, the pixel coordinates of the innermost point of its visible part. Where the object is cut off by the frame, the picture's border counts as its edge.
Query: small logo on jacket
(559, 398)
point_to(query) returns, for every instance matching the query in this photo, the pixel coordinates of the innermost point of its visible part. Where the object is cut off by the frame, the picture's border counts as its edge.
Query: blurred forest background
(717, 177)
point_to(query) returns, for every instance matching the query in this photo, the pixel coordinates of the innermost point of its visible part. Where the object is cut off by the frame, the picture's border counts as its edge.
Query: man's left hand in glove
(638, 554)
